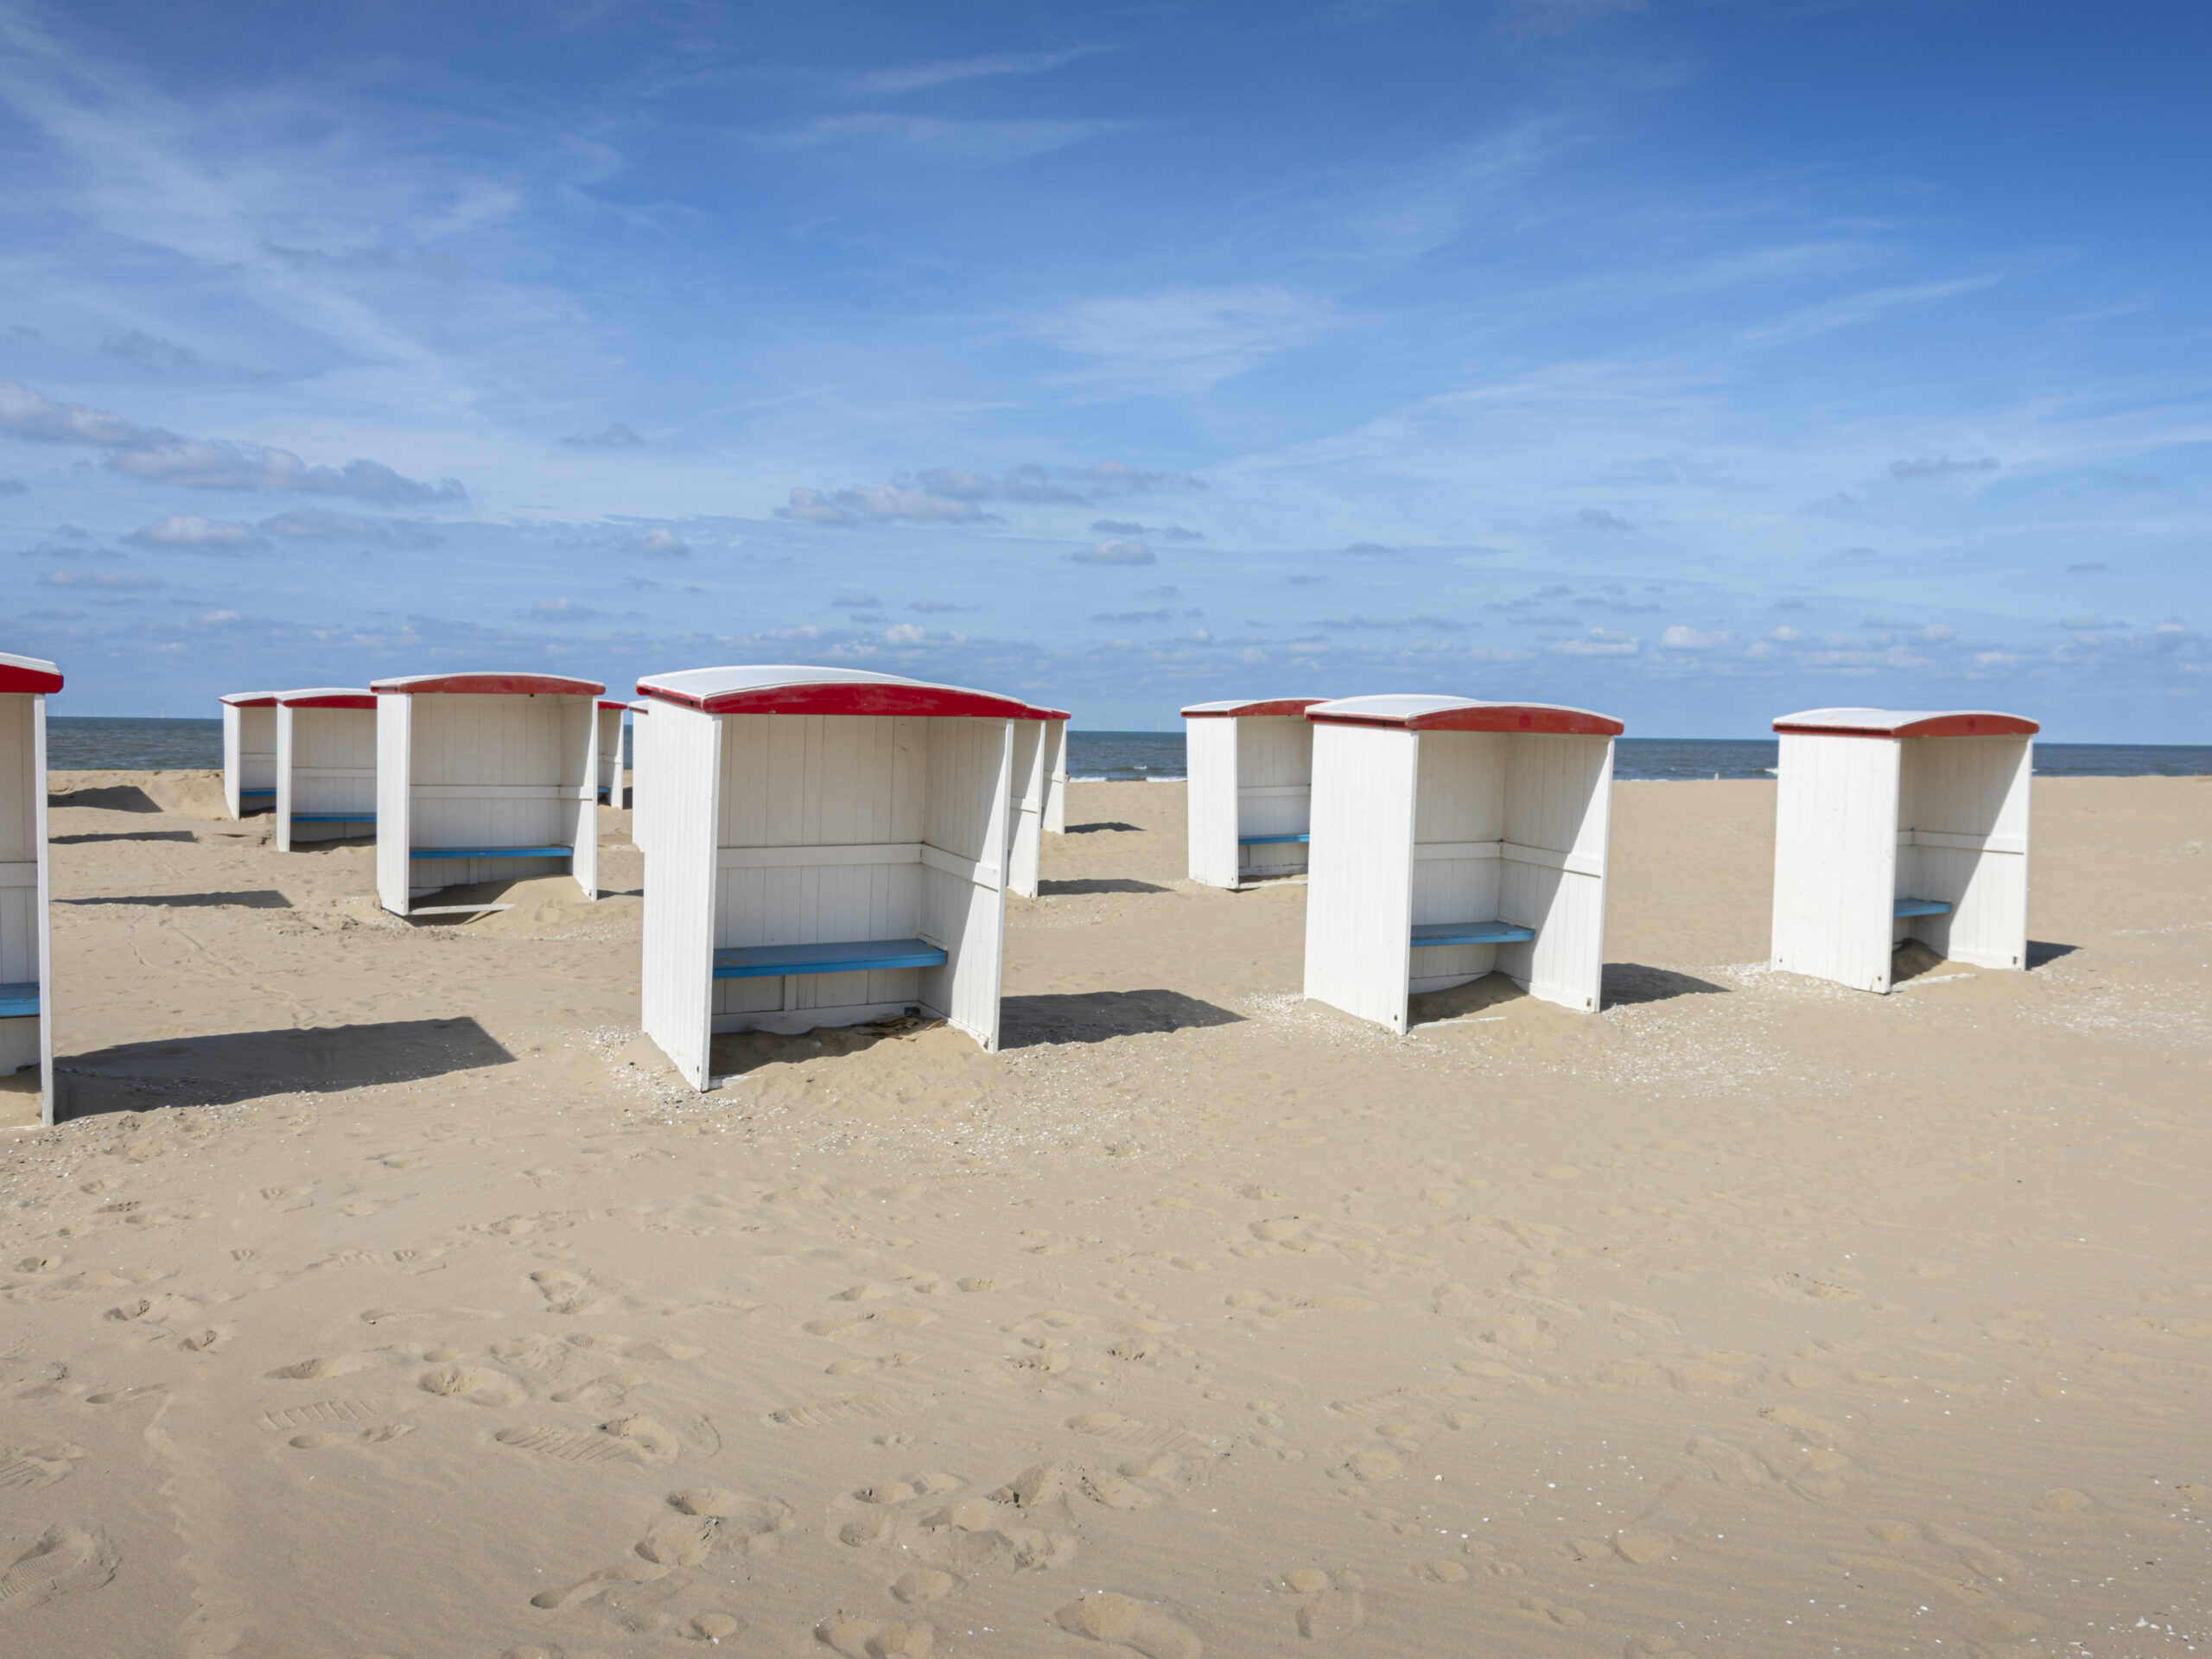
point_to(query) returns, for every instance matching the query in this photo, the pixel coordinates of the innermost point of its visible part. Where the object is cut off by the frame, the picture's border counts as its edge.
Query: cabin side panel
(1359, 898)
(1835, 858)
(677, 980)
(1211, 749)
(395, 718)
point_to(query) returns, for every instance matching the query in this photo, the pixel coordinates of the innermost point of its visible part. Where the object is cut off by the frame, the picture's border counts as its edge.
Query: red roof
(1233, 709)
(251, 699)
(610, 702)
(782, 689)
(1047, 714)
(1422, 712)
(491, 684)
(32, 674)
(1906, 722)
(327, 696)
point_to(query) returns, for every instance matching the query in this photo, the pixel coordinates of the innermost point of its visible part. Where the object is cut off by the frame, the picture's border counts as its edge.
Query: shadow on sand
(237, 1066)
(1629, 982)
(118, 797)
(2043, 951)
(1093, 884)
(1097, 1016)
(1114, 824)
(125, 835)
(253, 898)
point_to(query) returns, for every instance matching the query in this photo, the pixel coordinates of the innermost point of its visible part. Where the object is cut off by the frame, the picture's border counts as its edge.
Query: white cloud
(1598, 643)
(191, 533)
(935, 139)
(1186, 338)
(1598, 519)
(165, 457)
(318, 523)
(1679, 637)
(659, 542)
(617, 436)
(904, 633)
(913, 77)
(1925, 468)
(1114, 552)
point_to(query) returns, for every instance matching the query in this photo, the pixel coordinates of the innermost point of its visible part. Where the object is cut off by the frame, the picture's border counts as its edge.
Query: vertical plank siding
(1459, 821)
(1835, 858)
(231, 782)
(1030, 783)
(1275, 789)
(479, 770)
(395, 799)
(610, 755)
(677, 984)
(22, 852)
(1055, 772)
(325, 762)
(1359, 892)
(1973, 789)
(1210, 799)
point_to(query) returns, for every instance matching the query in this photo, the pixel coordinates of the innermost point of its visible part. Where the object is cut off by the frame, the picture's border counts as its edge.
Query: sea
(84, 743)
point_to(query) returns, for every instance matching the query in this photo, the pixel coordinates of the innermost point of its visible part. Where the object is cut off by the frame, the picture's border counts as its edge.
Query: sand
(388, 1296)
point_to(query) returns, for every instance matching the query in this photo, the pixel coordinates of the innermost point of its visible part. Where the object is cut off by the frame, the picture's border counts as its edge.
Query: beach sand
(388, 1295)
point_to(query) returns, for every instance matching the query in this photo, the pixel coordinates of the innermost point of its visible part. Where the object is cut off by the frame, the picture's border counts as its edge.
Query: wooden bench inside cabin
(491, 852)
(19, 1001)
(1921, 907)
(1270, 840)
(333, 817)
(1428, 935)
(850, 956)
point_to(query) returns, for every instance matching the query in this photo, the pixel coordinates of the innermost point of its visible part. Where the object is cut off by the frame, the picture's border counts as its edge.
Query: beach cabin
(326, 771)
(485, 776)
(250, 752)
(1451, 839)
(1036, 739)
(827, 847)
(639, 731)
(610, 752)
(1894, 824)
(1249, 798)
(26, 955)
(1055, 764)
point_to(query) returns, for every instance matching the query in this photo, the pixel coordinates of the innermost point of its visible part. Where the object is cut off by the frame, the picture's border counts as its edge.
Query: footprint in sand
(859, 1638)
(741, 1520)
(1331, 1604)
(609, 1390)
(565, 1293)
(926, 1586)
(338, 1365)
(374, 1434)
(330, 1413)
(627, 1440)
(473, 1383)
(1144, 1627)
(37, 1465)
(65, 1560)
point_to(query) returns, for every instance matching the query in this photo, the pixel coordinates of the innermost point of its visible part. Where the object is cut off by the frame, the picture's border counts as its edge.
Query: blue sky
(1695, 360)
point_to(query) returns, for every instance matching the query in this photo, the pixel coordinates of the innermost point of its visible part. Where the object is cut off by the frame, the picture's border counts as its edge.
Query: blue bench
(333, 817)
(257, 794)
(853, 957)
(1268, 841)
(1426, 934)
(1921, 907)
(491, 852)
(19, 1001)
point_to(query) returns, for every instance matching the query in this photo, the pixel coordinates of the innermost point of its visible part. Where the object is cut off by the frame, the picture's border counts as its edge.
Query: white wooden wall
(489, 770)
(677, 989)
(1359, 891)
(325, 762)
(610, 755)
(1274, 789)
(1210, 799)
(1030, 783)
(641, 728)
(395, 800)
(1962, 835)
(1458, 829)
(249, 755)
(25, 945)
(1056, 767)
(1835, 858)
(1559, 796)
(834, 829)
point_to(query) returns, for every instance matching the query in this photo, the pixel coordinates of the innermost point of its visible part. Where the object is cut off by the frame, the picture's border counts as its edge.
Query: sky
(1693, 361)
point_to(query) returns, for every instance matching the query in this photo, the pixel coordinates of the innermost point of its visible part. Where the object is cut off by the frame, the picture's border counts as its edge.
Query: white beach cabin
(1040, 734)
(826, 847)
(610, 752)
(1249, 798)
(1894, 824)
(25, 953)
(250, 752)
(1056, 767)
(639, 732)
(1453, 838)
(326, 772)
(486, 776)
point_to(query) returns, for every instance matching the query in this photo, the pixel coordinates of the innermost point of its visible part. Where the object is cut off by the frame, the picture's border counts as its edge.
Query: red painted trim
(1278, 706)
(1047, 714)
(513, 685)
(34, 680)
(609, 702)
(1502, 717)
(851, 697)
(342, 700)
(269, 702)
(1942, 725)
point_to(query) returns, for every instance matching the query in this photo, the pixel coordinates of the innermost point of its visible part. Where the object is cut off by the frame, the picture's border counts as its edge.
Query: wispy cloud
(1924, 467)
(1114, 552)
(938, 140)
(189, 532)
(1183, 339)
(920, 77)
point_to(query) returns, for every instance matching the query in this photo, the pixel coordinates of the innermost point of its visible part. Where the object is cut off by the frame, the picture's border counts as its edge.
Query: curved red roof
(1434, 713)
(490, 685)
(784, 689)
(327, 696)
(1240, 708)
(251, 699)
(610, 702)
(1047, 714)
(1906, 722)
(32, 674)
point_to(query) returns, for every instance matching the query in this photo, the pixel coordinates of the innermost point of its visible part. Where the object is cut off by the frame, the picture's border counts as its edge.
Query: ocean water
(82, 743)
